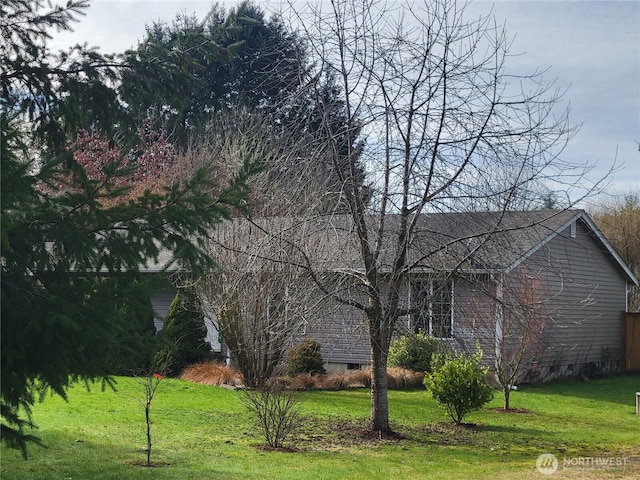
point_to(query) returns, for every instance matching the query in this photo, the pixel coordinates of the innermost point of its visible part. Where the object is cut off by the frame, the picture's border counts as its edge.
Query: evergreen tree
(136, 343)
(53, 94)
(165, 81)
(186, 72)
(241, 61)
(184, 331)
(72, 244)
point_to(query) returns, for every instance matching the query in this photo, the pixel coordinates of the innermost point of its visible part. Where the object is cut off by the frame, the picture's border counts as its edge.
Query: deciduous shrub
(413, 352)
(305, 358)
(256, 338)
(458, 383)
(276, 409)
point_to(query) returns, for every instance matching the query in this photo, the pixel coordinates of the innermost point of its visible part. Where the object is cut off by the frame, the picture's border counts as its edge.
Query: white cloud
(594, 49)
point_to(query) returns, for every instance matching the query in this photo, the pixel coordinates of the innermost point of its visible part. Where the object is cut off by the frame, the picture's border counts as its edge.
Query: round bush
(458, 384)
(413, 352)
(305, 358)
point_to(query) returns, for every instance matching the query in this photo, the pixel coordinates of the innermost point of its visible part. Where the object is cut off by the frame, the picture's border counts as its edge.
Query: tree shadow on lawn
(331, 433)
(83, 456)
(469, 434)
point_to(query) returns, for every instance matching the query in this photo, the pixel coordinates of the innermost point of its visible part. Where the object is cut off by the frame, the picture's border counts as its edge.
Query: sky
(591, 48)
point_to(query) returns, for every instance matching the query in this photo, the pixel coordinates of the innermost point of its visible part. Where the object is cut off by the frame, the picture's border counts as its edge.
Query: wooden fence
(632, 342)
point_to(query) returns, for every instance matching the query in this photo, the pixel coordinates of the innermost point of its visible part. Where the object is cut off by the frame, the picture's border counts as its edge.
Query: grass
(203, 432)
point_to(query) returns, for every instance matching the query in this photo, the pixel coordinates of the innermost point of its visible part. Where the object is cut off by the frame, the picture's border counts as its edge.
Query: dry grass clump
(212, 373)
(403, 379)
(304, 381)
(346, 380)
(399, 379)
(333, 381)
(358, 378)
(216, 373)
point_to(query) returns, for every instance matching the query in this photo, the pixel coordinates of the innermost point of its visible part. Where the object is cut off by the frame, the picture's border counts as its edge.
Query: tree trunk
(379, 387)
(507, 392)
(148, 419)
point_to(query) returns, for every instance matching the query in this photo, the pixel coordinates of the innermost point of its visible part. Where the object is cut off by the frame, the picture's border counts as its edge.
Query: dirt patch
(269, 448)
(446, 433)
(334, 433)
(511, 410)
(379, 435)
(143, 463)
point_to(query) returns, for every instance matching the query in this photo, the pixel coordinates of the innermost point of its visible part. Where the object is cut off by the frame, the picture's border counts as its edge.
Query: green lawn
(204, 432)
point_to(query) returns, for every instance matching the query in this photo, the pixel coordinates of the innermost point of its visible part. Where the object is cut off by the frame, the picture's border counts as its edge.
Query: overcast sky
(591, 47)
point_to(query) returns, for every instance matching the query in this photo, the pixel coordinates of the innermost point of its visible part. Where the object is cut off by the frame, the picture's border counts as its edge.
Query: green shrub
(413, 352)
(458, 383)
(184, 332)
(305, 358)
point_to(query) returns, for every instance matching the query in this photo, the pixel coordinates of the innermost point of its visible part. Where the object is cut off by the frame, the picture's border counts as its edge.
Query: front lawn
(204, 432)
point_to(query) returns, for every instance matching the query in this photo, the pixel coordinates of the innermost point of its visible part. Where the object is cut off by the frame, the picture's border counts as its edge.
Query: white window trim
(451, 285)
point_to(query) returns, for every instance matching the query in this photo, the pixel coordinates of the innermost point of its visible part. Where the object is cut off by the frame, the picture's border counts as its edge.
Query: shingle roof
(485, 240)
(440, 241)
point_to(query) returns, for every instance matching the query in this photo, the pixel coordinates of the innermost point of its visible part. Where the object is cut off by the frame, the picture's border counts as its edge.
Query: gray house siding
(589, 296)
(474, 320)
(161, 302)
(342, 333)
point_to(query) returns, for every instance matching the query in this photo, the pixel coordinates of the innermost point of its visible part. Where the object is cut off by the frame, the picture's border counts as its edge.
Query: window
(434, 307)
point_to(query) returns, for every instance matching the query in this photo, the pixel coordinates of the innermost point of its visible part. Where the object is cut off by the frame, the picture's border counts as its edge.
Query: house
(542, 286)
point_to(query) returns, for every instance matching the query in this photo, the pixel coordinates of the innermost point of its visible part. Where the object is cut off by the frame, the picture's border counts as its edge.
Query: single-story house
(545, 286)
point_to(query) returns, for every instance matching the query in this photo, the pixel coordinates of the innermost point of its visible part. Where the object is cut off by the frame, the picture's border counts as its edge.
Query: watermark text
(594, 462)
(547, 463)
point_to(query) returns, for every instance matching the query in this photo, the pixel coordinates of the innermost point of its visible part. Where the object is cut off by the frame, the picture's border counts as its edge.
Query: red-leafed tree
(152, 165)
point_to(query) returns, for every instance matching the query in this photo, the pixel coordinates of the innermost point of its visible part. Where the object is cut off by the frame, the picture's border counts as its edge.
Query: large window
(433, 303)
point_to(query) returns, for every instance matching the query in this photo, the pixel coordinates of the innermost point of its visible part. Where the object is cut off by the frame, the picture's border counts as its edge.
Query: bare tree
(522, 317)
(258, 298)
(440, 125)
(258, 313)
(619, 220)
